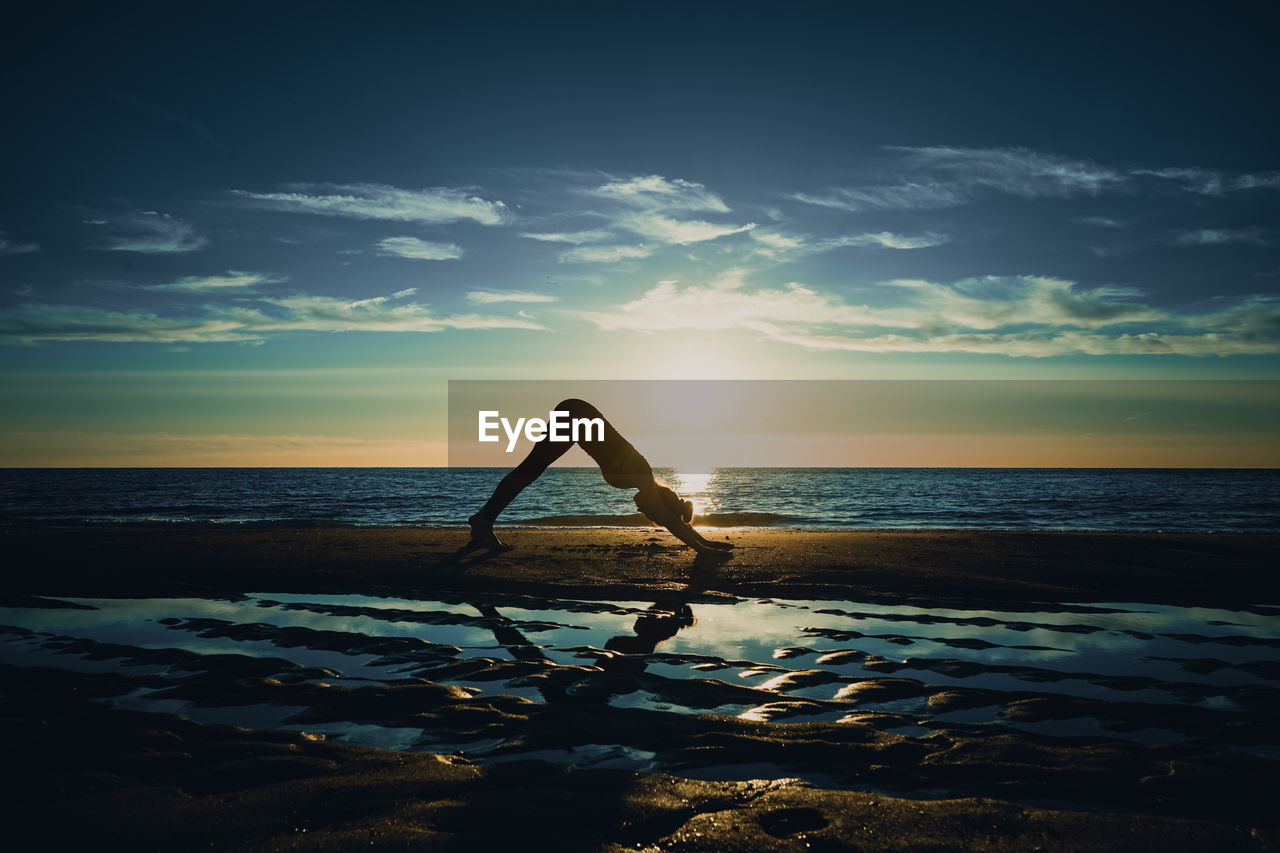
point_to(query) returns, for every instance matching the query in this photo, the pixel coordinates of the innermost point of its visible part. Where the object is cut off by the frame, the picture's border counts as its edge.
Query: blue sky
(238, 234)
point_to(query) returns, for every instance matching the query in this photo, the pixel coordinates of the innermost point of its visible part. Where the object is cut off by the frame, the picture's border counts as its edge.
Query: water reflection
(698, 487)
(1129, 671)
(624, 654)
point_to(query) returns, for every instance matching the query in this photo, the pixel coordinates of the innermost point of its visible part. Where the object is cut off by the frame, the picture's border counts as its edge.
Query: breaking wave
(721, 519)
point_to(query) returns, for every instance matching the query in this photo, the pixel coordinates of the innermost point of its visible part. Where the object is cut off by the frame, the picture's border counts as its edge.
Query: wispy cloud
(574, 237)
(779, 245)
(1017, 316)
(488, 297)
(904, 196)
(148, 232)
(421, 250)
(246, 322)
(985, 303)
(925, 178)
(1017, 171)
(886, 239)
(1036, 344)
(778, 241)
(937, 177)
(232, 280)
(10, 246)
(1221, 236)
(655, 207)
(1101, 222)
(663, 211)
(603, 254)
(681, 232)
(657, 192)
(1213, 181)
(434, 205)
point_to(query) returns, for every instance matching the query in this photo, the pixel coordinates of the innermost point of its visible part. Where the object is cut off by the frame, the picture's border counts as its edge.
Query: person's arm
(655, 510)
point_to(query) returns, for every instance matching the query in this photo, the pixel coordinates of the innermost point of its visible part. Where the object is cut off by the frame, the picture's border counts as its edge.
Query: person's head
(661, 493)
(678, 506)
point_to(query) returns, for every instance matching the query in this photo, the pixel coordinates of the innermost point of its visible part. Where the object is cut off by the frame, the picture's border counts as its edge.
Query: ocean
(804, 498)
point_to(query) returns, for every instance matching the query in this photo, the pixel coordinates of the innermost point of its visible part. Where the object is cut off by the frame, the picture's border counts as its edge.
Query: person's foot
(482, 535)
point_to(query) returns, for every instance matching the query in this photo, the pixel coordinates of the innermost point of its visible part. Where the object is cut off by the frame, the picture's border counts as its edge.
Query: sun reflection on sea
(697, 487)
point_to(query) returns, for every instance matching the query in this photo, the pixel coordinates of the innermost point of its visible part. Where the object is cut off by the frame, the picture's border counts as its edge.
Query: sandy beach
(824, 757)
(974, 565)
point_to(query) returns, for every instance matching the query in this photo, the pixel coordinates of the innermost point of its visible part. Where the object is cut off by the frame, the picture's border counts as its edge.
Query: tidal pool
(347, 665)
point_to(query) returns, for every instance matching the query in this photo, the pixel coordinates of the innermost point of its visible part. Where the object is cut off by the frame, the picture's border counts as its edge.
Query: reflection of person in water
(622, 467)
(627, 654)
(656, 624)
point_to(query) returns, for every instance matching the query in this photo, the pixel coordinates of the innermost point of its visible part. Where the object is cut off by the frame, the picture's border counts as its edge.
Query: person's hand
(710, 552)
(723, 546)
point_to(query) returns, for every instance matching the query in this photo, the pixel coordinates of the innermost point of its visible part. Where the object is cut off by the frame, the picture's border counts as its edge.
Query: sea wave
(722, 519)
(187, 521)
(803, 498)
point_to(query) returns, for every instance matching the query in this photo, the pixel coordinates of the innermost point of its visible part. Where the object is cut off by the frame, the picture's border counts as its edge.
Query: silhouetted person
(660, 622)
(628, 659)
(622, 467)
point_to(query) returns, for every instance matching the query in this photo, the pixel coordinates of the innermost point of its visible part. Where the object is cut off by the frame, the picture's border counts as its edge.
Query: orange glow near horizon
(698, 426)
(941, 450)
(163, 450)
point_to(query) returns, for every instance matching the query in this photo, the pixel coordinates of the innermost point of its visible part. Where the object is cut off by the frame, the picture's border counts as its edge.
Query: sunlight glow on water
(1102, 670)
(697, 487)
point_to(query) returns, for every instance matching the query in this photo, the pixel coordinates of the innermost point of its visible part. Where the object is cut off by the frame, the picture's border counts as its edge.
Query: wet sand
(91, 778)
(83, 773)
(1179, 568)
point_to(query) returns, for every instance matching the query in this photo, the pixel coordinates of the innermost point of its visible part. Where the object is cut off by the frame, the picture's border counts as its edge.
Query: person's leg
(539, 458)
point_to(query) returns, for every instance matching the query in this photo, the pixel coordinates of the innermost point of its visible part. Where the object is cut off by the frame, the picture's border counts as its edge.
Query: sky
(271, 233)
(695, 426)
